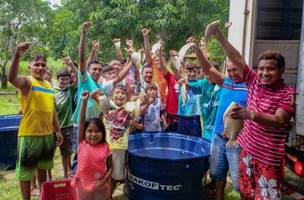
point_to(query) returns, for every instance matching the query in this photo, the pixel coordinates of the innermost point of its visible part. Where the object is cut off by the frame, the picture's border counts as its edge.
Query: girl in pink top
(94, 169)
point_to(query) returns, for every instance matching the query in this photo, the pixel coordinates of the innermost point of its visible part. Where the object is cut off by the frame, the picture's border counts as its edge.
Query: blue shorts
(189, 126)
(224, 158)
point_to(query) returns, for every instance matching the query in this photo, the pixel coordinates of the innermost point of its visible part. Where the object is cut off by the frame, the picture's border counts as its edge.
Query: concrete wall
(240, 38)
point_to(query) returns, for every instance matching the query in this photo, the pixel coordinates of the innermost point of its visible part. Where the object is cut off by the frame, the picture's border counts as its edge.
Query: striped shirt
(265, 143)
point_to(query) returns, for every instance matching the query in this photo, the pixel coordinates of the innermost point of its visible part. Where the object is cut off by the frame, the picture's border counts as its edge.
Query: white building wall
(236, 31)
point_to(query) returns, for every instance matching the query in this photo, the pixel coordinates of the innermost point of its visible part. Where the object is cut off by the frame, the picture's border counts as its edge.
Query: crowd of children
(93, 107)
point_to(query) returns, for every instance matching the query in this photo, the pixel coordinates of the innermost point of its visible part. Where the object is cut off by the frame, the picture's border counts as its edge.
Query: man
(39, 120)
(233, 89)
(270, 108)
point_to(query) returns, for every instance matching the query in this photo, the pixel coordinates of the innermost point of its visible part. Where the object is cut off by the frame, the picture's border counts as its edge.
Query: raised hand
(96, 45)
(172, 53)
(68, 61)
(129, 43)
(211, 30)
(117, 43)
(22, 48)
(145, 31)
(85, 95)
(86, 26)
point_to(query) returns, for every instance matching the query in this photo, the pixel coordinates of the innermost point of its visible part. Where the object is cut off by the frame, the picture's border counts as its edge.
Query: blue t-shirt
(191, 107)
(230, 91)
(210, 102)
(86, 82)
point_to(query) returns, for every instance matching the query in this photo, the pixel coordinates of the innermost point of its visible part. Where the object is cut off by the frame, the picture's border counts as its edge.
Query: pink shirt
(265, 143)
(172, 99)
(91, 166)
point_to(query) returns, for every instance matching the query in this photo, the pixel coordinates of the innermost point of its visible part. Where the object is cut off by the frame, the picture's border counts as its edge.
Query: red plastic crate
(58, 190)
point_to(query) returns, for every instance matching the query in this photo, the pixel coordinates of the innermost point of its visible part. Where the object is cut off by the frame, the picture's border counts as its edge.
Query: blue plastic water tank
(166, 166)
(9, 125)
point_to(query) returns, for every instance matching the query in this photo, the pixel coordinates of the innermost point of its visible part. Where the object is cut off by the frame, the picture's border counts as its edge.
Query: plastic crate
(58, 190)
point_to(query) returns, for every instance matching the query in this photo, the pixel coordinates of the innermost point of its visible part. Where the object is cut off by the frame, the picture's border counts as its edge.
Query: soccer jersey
(37, 109)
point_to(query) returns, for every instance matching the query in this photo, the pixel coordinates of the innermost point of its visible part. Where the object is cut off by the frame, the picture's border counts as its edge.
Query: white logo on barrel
(153, 185)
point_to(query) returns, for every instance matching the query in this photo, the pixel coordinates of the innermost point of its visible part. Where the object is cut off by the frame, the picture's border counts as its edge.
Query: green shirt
(210, 101)
(63, 105)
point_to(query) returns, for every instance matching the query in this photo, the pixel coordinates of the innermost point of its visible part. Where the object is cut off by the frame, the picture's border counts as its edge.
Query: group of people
(98, 105)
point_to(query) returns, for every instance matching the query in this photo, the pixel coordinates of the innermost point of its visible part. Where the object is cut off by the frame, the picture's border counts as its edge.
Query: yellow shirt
(37, 109)
(117, 123)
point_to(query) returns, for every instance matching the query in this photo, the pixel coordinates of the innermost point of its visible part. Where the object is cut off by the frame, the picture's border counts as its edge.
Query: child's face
(38, 68)
(119, 96)
(192, 73)
(152, 92)
(63, 81)
(110, 75)
(93, 134)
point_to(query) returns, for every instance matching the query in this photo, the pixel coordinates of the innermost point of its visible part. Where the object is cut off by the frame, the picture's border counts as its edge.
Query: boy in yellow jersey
(36, 143)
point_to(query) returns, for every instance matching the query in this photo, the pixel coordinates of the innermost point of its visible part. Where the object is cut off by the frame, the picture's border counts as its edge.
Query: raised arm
(216, 76)
(21, 82)
(147, 46)
(233, 54)
(162, 62)
(176, 72)
(118, 52)
(94, 51)
(68, 62)
(82, 116)
(82, 59)
(123, 73)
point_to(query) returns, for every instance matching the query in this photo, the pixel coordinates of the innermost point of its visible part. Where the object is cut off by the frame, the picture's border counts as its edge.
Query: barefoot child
(94, 158)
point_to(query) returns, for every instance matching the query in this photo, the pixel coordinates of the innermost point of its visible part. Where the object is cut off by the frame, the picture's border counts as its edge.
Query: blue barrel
(166, 166)
(9, 125)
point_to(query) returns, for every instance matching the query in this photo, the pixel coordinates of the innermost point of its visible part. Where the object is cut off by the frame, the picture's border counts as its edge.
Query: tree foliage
(58, 30)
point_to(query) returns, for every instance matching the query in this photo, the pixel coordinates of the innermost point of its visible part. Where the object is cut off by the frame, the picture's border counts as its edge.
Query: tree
(19, 22)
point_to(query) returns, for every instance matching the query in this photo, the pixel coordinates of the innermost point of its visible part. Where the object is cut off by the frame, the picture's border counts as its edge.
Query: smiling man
(267, 117)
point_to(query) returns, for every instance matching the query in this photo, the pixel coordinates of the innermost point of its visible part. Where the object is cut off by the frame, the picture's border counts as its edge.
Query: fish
(232, 126)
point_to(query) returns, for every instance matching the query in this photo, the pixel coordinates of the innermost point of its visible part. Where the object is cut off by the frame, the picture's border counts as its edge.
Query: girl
(94, 158)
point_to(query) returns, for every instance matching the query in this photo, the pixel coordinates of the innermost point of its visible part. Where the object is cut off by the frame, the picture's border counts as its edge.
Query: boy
(64, 93)
(39, 120)
(153, 116)
(189, 105)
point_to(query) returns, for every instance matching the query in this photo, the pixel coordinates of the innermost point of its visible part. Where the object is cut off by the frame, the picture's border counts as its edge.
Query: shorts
(259, 180)
(119, 164)
(224, 159)
(66, 148)
(34, 152)
(189, 126)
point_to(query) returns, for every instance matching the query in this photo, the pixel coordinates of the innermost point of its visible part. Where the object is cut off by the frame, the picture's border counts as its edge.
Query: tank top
(37, 109)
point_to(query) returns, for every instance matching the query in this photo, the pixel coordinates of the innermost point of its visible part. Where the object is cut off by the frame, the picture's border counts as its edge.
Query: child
(94, 158)
(64, 93)
(189, 105)
(39, 120)
(118, 113)
(153, 116)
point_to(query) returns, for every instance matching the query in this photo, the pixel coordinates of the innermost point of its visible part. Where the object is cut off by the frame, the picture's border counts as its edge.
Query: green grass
(8, 104)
